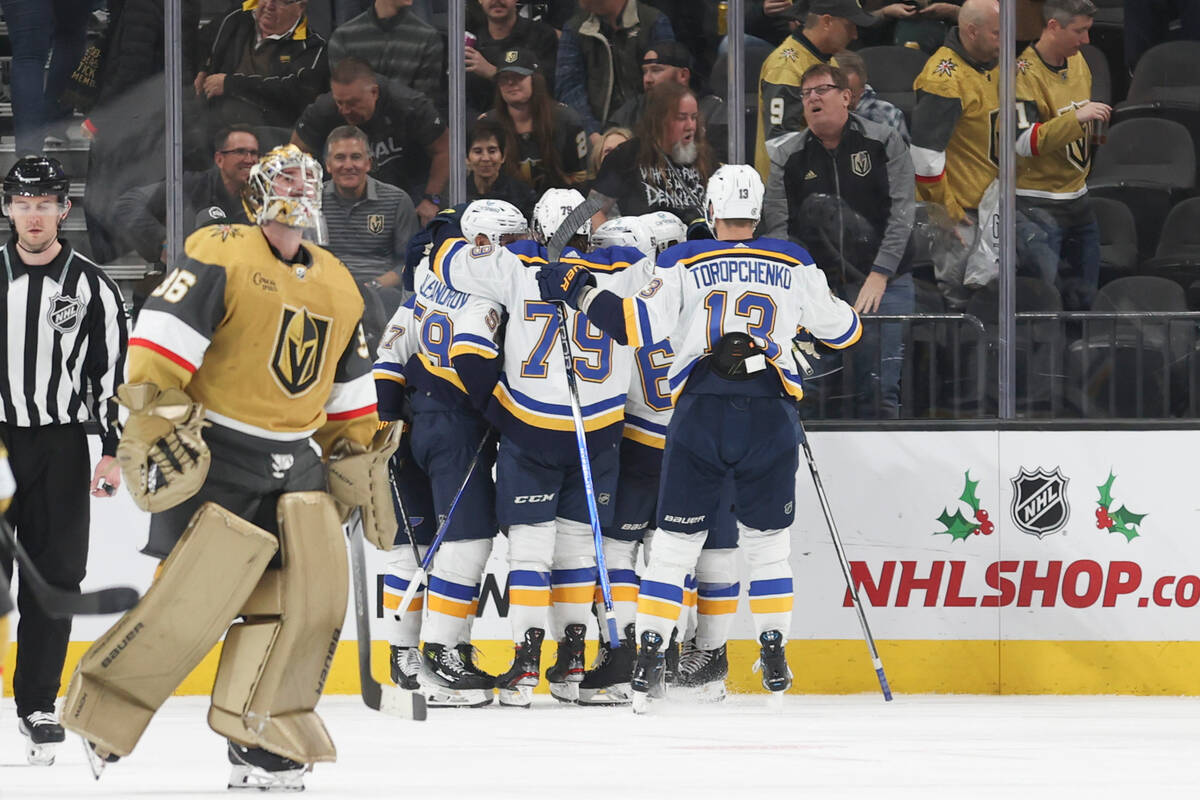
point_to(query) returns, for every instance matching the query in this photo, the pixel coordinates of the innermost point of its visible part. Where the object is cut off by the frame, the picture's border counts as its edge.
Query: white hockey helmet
(552, 209)
(285, 187)
(499, 221)
(625, 232)
(734, 192)
(666, 229)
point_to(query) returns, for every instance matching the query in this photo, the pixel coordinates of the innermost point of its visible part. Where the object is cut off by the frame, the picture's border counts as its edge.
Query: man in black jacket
(843, 188)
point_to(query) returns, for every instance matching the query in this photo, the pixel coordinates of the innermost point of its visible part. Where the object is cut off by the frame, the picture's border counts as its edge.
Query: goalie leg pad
(129, 671)
(274, 665)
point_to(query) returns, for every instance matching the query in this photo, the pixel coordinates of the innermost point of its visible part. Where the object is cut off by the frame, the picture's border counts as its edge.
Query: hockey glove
(563, 283)
(359, 478)
(698, 229)
(162, 455)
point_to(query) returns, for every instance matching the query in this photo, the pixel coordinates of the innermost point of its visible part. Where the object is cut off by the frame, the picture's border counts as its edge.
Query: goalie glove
(359, 478)
(162, 454)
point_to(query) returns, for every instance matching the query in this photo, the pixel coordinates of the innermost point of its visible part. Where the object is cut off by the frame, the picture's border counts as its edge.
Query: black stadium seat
(1178, 253)
(1118, 238)
(1166, 85)
(1101, 76)
(891, 70)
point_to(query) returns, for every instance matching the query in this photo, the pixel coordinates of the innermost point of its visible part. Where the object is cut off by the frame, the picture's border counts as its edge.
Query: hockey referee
(63, 355)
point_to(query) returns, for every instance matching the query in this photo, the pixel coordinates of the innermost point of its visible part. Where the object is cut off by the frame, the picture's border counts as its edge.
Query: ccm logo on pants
(534, 498)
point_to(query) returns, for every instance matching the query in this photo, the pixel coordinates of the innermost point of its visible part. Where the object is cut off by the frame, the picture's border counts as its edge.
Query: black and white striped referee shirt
(63, 340)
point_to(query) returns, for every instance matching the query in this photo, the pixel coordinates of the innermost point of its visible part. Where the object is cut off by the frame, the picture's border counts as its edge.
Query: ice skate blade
(96, 761)
(442, 697)
(566, 692)
(711, 692)
(518, 697)
(244, 776)
(641, 703)
(40, 755)
(619, 694)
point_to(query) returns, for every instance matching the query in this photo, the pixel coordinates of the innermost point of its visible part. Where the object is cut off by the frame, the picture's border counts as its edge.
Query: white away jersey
(767, 288)
(398, 344)
(531, 402)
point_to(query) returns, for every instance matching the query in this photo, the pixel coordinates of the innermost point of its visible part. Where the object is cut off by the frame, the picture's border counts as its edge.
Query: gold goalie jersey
(1056, 149)
(272, 349)
(954, 128)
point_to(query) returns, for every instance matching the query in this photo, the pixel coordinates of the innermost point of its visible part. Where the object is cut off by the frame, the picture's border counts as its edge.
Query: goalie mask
(499, 221)
(734, 192)
(666, 229)
(285, 187)
(554, 207)
(624, 232)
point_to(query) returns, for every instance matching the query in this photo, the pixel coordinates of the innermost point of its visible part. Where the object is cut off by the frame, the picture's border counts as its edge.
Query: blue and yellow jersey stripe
(852, 334)
(555, 417)
(471, 344)
(439, 262)
(643, 431)
(389, 371)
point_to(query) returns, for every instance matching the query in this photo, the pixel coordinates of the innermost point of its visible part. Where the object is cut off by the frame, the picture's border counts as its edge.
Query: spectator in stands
(35, 28)
(505, 31)
(368, 224)
(666, 166)
(487, 175)
(264, 68)
(863, 100)
(398, 45)
(671, 61)
(845, 191)
(409, 143)
(953, 129)
(1054, 89)
(829, 27)
(611, 140)
(599, 57)
(214, 194)
(1148, 22)
(546, 144)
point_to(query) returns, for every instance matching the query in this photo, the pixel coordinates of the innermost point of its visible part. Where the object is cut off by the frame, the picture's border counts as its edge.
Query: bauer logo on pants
(299, 350)
(1039, 504)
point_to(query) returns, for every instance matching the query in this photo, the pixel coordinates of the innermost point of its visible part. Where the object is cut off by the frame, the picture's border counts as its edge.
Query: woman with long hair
(546, 146)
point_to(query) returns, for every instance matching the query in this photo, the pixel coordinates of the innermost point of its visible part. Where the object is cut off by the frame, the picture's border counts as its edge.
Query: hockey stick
(60, 602)
(837, 545)
(566, 230)
(422, 572)
(380, 697)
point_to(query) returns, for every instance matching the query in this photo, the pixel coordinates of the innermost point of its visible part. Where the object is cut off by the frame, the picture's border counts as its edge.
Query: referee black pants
(50, 512)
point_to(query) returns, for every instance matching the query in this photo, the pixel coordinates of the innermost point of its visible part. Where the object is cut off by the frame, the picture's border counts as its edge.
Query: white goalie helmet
(666, 229)
(735, 191)
(499, 221)
(552, 209)
(625, 232)
(285, 187)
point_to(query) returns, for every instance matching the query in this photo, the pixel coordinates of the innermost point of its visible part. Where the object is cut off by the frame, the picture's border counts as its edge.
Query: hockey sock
(687, 616)
(530, 550)
(718, 589)
(573, 577)
(406, 633)
(661, 595)
(619, 558)
(452, 590)
(770, 577)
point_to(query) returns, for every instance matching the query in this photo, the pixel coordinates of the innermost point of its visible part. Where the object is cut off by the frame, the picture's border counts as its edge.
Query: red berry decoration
(981, 515)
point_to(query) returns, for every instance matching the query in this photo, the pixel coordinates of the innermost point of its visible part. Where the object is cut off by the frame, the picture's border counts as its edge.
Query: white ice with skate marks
(819, 747)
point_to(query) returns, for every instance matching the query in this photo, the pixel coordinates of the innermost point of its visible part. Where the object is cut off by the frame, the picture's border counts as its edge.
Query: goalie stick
(60, 602)
(583, 212)
(380, 697)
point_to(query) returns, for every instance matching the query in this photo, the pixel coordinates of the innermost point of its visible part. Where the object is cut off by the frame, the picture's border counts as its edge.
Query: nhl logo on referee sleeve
(64, 313)
(860, 163)
(375, 223)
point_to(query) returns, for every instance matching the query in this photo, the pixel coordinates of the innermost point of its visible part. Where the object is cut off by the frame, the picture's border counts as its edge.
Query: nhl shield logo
(64, 313)
(299, 350)
(1039, 504)
(860, 163)
(375, 223)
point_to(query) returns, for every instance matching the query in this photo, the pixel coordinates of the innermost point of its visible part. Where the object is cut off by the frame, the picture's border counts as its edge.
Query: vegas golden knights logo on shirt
(299, 349)
(375, 223)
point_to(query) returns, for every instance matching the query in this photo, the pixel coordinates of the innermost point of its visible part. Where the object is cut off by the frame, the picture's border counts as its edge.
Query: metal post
(456, 24)
(735, 103)
(173, 131)
(1006, 375)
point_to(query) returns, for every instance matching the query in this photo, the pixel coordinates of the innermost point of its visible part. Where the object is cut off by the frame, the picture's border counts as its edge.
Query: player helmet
(552, 209)
(734, 192)
(626, 232)
(285, 187)
(36, 176)
(666, 229)
(499, 221)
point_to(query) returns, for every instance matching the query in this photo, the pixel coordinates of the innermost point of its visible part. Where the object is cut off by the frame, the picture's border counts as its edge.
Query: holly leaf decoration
(1125, 523)
(958, 526)
(968, 496)
(1106, 490)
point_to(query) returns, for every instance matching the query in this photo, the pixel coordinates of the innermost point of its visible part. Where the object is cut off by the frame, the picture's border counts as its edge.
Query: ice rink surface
(818, 747)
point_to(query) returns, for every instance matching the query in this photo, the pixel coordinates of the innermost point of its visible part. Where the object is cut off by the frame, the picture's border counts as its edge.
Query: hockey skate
(405, 663)
(607, 682)
(702, 673)
(42, 733)
(255, 768)
(772, 660)
(671, 659)
(516, 685)
(649, 672)
(447, 682)
(97, 759)
(567, 672)
(467, 652)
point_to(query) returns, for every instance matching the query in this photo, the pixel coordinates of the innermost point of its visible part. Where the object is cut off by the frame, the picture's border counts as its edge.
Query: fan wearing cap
(546, 145)
(505, 30)
(830, 26)
(672, 61)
